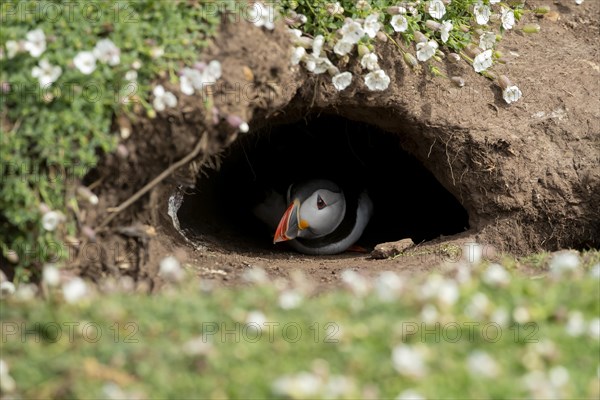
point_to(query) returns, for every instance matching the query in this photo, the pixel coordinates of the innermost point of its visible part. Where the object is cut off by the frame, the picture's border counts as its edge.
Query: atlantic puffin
(315, 217)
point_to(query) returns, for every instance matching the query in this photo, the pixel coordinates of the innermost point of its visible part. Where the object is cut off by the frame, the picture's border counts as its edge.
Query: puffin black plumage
(316, 217)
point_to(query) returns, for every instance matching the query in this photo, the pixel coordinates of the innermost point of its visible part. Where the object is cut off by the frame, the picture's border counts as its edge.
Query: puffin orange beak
(290, 223)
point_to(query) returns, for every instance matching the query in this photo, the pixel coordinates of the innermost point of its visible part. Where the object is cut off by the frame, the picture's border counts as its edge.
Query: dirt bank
(520, 178)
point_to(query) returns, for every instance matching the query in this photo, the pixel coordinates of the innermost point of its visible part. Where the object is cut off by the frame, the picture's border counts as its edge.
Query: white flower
(445, 30)
(388, 286)
(212, 72)
(408, 361)
(426, 50)
(51, 275)
(342, 81)
(412, 10)
(511, 94)
(255, 320)
(261, 15)
(399, 23)
(255, 275)
(6, 289)
(500, 316)
(595, 271)
(559, 376)
(478, 306)
(46, 73)
(12, 48)
(357, 284)
(398, 10)
(26, 291)
(369, 61)
(338, 387)
(352, 32)
(372, 25)
(7, 382)
(521, 315)
(594, 329)
(377, 80)
(508, 18)
(481, 363)
(75, 290)
(51, 219)
(35, 43)
(3, 368)
(579, 2)
(429, 314)
(317, 46)
(496, 275)
(482, 61)
(448, 292)
(431, 286)
(335, 8)
(163, 99)
(290, 299)
(197, 346)
(575, 324)
(482, 13)
(487, 40)
(85, 62)
(363, 5)
(156, 52)
(296, 33)
(564, 262)
(322, 64)
(343, 47)
(131, 75)
(297, 55)
(106, 52)
(409, 394)
(437, 9)
(190, 80)
(494, 1)
(302, 385)
(170, 269)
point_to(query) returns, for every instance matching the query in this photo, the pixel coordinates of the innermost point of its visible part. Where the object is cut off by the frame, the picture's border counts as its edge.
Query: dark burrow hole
(408, 201)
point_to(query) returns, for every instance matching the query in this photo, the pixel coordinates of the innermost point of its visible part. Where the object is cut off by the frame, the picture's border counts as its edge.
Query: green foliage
(51, 137)
(145, 347)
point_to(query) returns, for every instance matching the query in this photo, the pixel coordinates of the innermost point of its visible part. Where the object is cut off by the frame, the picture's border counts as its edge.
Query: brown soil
(526, 174)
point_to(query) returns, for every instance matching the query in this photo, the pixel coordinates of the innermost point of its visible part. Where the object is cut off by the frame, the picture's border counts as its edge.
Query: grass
(125, 344)
(51, 137)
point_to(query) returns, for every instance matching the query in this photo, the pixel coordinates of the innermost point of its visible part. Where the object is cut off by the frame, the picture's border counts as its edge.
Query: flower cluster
(427, 24)
(262, 15)
(105, 51)
(199, 76)
(34, 44)
(349, 37)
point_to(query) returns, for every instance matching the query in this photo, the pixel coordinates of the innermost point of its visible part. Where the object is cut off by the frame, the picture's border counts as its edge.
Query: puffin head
(316, 209)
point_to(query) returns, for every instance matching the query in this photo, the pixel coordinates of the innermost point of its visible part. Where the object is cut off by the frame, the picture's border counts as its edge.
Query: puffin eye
(320, 203)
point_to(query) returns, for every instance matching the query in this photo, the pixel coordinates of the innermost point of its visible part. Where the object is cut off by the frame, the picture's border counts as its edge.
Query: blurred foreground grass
(478, 332)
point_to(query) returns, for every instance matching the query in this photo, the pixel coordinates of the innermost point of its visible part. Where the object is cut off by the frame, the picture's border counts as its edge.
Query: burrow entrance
(408, 201)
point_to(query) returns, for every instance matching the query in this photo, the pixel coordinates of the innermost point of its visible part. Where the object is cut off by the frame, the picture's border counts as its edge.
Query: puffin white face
(317, 215)
(321, 213)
